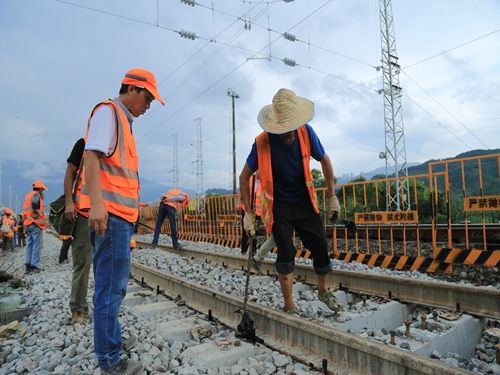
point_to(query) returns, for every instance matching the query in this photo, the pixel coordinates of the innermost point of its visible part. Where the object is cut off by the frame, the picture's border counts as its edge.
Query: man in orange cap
(107, 192)
(35, 221)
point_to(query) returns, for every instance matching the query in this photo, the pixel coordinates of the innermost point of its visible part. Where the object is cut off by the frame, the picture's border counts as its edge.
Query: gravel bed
(47, 343)
(463, 275)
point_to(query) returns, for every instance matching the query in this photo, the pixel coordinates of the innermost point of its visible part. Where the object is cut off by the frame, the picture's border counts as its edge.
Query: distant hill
(215, 191)
(489, 172)
(18, 176)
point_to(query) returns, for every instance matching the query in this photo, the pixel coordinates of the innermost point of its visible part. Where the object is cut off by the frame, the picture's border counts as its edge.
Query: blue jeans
(163, 211)
(33, 246)
(111, 258)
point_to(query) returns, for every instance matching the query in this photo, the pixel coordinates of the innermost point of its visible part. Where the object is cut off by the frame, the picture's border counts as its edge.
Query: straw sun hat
(287, 113)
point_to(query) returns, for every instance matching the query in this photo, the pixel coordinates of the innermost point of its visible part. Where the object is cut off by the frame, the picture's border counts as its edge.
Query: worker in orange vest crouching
(107, 192)
(35, 222)
(172, 201)
(8, 229)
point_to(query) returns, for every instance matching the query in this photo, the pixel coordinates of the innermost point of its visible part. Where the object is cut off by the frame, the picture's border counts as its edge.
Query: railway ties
(205, 344)
(372, 335)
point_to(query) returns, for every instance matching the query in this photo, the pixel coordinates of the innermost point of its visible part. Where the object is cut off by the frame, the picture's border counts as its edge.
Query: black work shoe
(178, 247)
(124, 367)
(36, 269)
(28, 268)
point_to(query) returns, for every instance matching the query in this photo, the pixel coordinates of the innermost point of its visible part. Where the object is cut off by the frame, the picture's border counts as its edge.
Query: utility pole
(397, 191)
(233, 96)
(175, 167)
(199, 166)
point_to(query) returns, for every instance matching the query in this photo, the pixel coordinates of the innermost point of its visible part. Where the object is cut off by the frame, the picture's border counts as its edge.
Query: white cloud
(67, 58)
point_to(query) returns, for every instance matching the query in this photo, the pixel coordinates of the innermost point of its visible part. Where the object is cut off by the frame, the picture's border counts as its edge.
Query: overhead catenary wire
(445, 109)
(292, 37)
(225, 44)
(439, 122)
(452, 48)
(211, 40)
(221, 78)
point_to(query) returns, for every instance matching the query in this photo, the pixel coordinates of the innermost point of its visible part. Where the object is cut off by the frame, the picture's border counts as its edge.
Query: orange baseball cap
(143, 78)
(38, 184)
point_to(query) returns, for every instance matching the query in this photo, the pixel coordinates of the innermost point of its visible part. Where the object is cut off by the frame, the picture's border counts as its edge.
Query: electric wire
(220, 79)
(225, 44)
(297, 39)
(439, 122)
(452, 48)
(445, 109)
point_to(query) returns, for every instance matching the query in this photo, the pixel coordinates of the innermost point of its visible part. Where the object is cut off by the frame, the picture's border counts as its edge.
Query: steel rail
(307, 341)
(479, 301)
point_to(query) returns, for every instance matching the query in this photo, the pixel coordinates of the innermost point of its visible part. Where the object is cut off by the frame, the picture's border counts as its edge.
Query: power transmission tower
(199, 166)
(397, 194)
(175, 167)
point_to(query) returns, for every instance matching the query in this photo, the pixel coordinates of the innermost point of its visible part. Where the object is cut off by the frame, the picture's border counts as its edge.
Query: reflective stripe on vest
(28, 213)
(257, 203)
(118, 173)
(266, 174)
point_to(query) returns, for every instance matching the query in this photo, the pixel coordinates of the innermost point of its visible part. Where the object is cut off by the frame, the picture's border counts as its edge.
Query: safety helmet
(7, 211)
(38, 184)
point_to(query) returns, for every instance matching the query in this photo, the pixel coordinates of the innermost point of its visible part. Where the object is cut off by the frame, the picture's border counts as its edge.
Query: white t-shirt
(102, 131)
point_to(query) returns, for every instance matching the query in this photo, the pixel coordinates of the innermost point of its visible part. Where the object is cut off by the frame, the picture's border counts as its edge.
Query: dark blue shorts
(308, 225)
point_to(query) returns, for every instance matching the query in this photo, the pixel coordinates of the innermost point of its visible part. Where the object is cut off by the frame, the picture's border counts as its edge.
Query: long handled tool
(246, 327)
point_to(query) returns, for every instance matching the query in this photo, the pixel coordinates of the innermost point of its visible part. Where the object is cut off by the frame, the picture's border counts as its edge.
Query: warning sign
(485, 203)
(386, 217)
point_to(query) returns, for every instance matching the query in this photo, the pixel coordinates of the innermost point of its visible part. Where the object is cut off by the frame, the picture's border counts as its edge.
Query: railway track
(480, 301)
(340, 348)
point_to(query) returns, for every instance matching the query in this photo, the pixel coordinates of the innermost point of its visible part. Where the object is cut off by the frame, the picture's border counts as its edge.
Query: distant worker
(172, 201)
(21, 237)
(8, 224)
(282, 154)
(107, 191)
(35, 221)
(81, 249)
(255, 182)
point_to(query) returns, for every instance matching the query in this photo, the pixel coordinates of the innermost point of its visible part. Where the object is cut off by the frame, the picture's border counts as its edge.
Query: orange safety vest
(266, 174)
(118, 173)
(9, 222)
(172, 193)
(257, 203)
(28, 219)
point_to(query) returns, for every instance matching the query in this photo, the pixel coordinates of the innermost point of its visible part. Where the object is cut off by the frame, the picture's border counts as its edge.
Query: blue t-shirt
(286, 162)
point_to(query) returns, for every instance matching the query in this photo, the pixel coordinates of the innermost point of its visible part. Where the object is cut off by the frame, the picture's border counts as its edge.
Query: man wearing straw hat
(282, 153)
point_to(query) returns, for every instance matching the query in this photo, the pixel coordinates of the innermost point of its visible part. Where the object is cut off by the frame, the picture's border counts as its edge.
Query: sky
(60, 58)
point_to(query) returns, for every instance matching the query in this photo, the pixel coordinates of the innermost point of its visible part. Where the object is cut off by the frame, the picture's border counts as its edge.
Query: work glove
(249, 223)
(333, 212)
